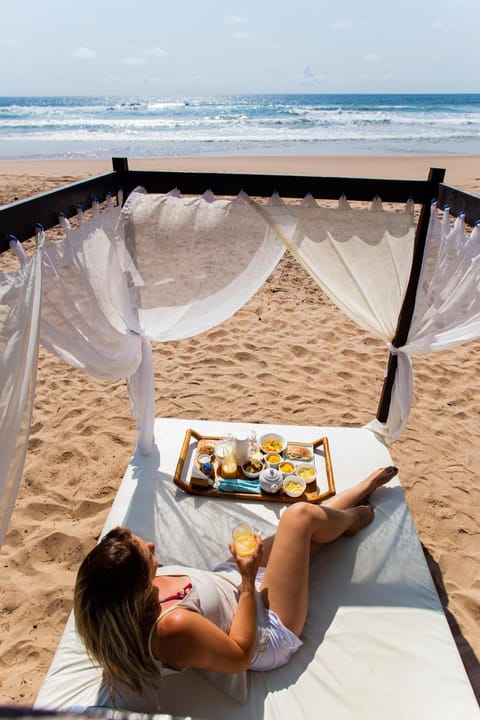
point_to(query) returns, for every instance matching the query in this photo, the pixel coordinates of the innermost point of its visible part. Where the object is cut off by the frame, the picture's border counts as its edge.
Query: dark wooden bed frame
(20, 218)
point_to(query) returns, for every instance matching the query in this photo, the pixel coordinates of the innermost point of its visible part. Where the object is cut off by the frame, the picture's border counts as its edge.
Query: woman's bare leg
(303, 525)
(285, 583)
(346, 499)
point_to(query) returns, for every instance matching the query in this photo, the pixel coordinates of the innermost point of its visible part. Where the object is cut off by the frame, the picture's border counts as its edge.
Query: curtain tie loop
(393, 350)
(17, 249)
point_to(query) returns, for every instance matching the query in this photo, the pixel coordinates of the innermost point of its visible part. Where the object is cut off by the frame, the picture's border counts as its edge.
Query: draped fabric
(161, 268)
(86, 317)
(447, 308)
(20, 292)
(360, 258)
(189, 264)
(192, 262)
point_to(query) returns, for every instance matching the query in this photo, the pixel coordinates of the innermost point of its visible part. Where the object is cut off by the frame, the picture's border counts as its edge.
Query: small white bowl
(309, 470)
(278, 443)
(294, 486)
(273, 459)
(287, 467)
(256, 473)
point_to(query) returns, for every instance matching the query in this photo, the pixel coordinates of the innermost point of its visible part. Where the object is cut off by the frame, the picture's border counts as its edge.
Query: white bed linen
(376, 642)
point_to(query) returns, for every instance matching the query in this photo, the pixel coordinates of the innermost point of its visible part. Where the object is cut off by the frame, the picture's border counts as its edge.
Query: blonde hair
(111, 589)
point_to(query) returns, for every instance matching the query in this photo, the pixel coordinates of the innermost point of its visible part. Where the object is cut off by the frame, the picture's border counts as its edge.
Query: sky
(175, 48)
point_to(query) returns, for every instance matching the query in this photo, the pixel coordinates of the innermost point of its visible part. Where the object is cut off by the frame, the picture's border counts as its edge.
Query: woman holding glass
(139, 620)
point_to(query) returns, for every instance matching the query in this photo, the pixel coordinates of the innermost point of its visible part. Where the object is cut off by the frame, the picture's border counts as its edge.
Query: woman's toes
(383, 475)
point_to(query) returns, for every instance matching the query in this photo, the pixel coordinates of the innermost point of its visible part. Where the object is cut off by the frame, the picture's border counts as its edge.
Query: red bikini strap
(178, 595)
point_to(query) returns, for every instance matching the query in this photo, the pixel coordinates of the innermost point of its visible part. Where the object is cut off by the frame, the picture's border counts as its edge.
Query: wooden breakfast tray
(322, 489)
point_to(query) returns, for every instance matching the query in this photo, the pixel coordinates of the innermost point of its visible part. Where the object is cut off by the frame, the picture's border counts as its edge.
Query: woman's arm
(186, 638)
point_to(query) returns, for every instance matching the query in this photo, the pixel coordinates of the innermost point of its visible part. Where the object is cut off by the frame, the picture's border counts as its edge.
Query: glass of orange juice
(243, 540)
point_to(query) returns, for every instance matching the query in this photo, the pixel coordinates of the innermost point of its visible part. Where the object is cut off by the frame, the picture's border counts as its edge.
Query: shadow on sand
(469, 659)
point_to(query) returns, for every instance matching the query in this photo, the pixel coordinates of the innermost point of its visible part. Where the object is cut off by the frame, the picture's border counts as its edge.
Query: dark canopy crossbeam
(291, 186)
(20, 218)
(460, 201)
(258, 185)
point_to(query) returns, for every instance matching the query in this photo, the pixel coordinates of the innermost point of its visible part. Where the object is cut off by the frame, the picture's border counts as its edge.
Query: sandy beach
(82, 433)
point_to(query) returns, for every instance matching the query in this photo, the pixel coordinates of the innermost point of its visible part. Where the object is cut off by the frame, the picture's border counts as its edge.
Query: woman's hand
(188, 639)
(249, 565)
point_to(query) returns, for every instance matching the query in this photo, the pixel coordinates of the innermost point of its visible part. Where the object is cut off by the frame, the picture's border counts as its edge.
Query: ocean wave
(273, 123)
(233, 135)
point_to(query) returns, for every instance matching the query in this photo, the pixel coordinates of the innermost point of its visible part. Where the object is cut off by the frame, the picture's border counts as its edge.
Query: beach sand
(326, 371)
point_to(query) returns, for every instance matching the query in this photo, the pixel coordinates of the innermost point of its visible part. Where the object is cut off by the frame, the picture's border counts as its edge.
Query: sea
(99, 127)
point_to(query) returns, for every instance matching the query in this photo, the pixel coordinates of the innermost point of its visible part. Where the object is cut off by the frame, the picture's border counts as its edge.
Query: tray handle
(177, 478)
(328, 464)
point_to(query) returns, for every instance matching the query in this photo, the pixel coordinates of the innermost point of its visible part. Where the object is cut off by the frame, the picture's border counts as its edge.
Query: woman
(139, 620)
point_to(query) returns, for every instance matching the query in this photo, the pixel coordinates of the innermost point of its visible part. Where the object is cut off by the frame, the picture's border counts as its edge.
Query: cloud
(372, 57)
(134, 61)
(307, 77)
(437, 24)
(235, 20)
(340, 24)
(7, 42)
(307, 73)
(84, 53)
(156, 52)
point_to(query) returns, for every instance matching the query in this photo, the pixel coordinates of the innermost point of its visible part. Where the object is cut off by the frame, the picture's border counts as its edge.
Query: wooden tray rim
(312, 497)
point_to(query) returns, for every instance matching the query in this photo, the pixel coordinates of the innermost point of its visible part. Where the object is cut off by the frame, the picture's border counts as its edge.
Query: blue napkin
(238, 485)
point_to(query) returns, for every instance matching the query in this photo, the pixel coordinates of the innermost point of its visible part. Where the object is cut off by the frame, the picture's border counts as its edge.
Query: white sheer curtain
(192, 262)
(86, 317)
(86, 320)
(20, 297)
(162, 268)
(447, 308)
(360, 258)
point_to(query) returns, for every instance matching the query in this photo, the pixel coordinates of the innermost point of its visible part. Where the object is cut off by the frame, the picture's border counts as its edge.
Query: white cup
(241, 444)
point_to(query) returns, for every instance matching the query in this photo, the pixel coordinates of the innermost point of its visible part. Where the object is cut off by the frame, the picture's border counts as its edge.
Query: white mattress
(376, 642)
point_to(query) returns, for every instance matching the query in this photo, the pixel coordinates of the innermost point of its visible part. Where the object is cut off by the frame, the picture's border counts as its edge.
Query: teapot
(270, 480)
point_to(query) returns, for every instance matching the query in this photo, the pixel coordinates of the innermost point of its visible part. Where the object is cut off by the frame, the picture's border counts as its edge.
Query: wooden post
(435, 177)
(119, 164)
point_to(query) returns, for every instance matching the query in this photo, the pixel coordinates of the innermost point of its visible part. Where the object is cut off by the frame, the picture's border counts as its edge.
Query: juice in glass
(243, 540)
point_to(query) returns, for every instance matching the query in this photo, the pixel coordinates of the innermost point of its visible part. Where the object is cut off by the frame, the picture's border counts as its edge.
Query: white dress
(214, 595)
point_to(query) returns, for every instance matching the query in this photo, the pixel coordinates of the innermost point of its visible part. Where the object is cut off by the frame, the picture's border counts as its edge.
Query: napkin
(239, 485)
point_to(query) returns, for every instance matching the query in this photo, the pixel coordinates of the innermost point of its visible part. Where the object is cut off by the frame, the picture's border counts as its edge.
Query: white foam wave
(232, 122)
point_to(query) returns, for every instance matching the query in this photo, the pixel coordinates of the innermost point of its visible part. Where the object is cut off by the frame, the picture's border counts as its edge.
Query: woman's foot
(358, 494)
(363, 516)
(379, 478)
